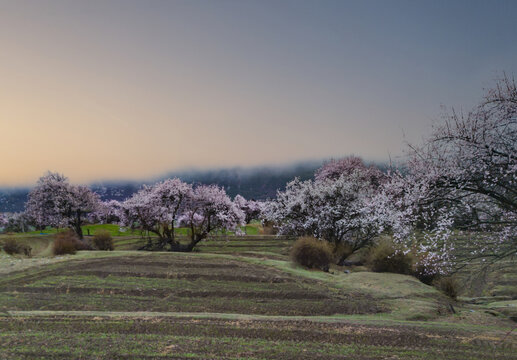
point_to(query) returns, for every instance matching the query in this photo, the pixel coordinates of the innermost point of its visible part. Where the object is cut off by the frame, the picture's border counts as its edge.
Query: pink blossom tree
(251, 208)
(162, 207)
(157, 208)
(55, 202)
(210, 210)
(108, 212)
(334, 169)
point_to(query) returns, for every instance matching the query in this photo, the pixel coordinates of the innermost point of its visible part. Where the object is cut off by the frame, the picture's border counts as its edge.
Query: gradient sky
(100, 89)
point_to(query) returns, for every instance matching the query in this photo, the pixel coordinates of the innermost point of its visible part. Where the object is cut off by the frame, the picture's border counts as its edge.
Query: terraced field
(237, 245)
(162, 337)
(174, 283)
(233, 299)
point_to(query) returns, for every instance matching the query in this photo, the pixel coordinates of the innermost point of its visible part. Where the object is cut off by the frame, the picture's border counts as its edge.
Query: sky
(107, 89)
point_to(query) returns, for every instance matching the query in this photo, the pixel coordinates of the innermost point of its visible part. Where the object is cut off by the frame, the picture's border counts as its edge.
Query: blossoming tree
(15, 222)
(56, 202)
(463, 179)
(108, 212)
(251, 208)
(210, 210)
(162, 207)
(156, 209)
(332, 207)
(470, 164)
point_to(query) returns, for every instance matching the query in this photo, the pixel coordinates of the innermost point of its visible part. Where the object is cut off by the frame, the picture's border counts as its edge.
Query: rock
(347, 271)
(352, 263)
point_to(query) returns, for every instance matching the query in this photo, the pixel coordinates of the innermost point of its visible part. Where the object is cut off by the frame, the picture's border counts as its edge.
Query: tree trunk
(171, 239)
(79, 231)
(77, 225)
(196, 238)
(181, 248)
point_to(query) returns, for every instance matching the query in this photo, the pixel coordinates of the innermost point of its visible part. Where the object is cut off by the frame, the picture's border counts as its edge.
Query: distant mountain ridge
(259, 183)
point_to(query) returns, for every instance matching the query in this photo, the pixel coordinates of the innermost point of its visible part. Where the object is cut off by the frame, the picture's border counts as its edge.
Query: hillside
(236, 298)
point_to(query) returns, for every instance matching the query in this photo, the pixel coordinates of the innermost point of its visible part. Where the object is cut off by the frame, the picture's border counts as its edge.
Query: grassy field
(116, 230)
(235, 298)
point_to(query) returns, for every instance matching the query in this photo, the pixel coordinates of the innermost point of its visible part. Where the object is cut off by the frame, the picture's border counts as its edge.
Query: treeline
(258, 183)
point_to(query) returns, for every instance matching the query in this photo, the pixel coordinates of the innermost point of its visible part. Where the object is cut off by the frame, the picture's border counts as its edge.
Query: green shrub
(311, 253)
(102, 240)
(12, 247)
(448, 285)
(385, 257)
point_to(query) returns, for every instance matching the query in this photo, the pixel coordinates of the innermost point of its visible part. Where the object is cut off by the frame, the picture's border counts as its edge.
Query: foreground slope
(127, 305)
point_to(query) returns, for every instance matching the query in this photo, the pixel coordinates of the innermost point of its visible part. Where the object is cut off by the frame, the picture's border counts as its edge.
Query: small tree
(3, 221)
(251, 208)
(15, 222)
(157, 208)
(55, 202)
(210, 210)
(108, 212)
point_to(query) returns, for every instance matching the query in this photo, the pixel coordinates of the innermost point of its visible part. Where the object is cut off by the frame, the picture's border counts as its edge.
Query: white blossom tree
(15, 222)
(402, 207)
(333, 207)
(3, 220)
(472, 161)
(462, 179)
(55, 202)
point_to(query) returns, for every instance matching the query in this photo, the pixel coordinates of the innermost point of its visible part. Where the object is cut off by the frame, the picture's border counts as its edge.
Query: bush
(311, 253)
(27, 250)
(11, 247)
(385, 257)
(341, 251)
(102, 240)
(67, 243)
(448, 285)
(82, 245)
(268, 228)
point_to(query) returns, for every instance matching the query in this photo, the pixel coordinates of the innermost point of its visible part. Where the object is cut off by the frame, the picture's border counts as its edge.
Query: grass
(236, 298)
(184, 339)
(116, 230)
